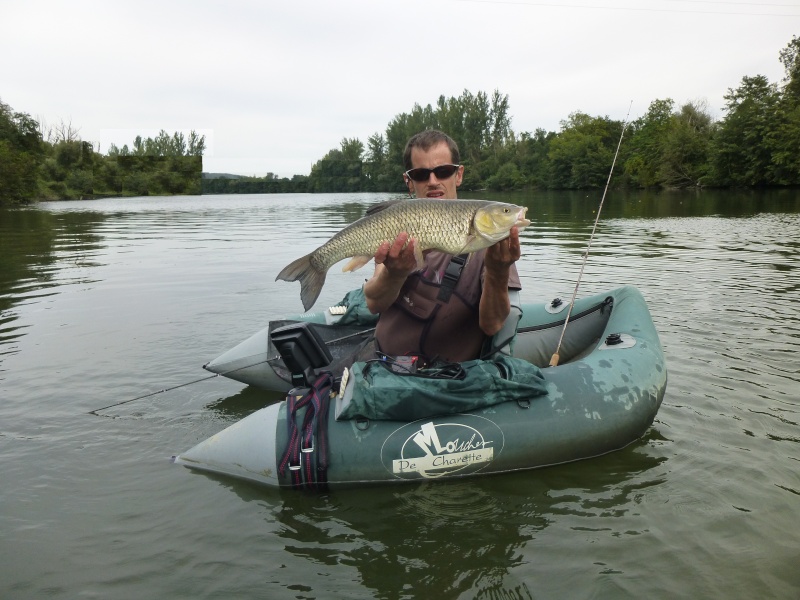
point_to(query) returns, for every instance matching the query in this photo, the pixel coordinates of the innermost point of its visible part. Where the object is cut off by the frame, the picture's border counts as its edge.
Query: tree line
(755, 144)
(41, 163)
(670, 146)
(270, 184)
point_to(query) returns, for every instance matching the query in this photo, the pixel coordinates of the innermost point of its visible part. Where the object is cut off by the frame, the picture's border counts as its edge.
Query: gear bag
(374, 390)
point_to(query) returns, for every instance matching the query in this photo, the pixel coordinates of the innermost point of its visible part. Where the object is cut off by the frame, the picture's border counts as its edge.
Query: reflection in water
(579, 205)
(243, 403)
(465, 539)
(40, 254)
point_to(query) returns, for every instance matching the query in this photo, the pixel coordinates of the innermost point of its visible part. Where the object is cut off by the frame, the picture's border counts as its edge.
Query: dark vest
(421, 323)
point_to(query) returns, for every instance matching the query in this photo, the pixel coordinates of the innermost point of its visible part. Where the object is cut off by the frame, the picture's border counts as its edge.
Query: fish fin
(311, 280)
(356, 263)
(376, 208)
(419, 257)
(470, 244)
(467, 243)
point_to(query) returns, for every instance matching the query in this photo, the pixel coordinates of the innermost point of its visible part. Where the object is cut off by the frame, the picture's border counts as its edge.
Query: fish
(452, 226)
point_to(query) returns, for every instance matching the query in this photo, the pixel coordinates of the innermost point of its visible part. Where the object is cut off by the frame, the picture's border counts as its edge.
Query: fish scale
(453, 226)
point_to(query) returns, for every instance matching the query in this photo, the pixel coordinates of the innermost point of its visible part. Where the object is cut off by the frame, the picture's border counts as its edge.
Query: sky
(275, 85)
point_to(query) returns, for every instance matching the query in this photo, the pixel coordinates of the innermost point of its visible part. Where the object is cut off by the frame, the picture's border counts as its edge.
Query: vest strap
(451, 276)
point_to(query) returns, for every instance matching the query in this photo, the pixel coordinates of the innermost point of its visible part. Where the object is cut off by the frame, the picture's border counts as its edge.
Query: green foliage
(163, 145)
(479, 124)
(785, 138)
(340, 170)
(581, 155)
(790, 59)
(508, 177)
(68, 168)
(685, 148)
(646, 141)
(741, 150)
(270, 184)
(21, 153)
(755, 144)
(134, 175)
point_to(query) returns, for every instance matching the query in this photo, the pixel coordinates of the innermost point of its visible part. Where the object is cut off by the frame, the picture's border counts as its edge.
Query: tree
(138, 147)
(508, 177)
(477, 126)
(646, 143)
(340, 170)
(581, 154)
(63, 132)
(21, 153)
(790, 59)
(500, 122)
(785, 139)
(178, 144)
(375, 166)
(352, 149)
(685, 147)
(532, 156)
(196, 144)
(741, 156)
(376, 149)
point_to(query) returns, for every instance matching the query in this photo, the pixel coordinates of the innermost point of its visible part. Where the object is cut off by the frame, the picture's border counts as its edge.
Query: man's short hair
(425, 140)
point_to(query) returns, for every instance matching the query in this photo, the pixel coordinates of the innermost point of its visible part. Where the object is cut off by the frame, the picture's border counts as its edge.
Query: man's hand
(494, 303)
(397, 258)
(504, 253)
(394, 262)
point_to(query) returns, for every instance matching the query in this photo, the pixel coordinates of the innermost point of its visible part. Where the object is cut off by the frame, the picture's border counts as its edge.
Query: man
(414, 317)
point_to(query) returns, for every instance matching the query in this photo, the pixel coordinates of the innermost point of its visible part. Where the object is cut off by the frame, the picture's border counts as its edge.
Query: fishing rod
(554, 358)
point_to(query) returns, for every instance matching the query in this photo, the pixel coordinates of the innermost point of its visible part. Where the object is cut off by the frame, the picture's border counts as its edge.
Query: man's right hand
(397, 257)
(394, 262)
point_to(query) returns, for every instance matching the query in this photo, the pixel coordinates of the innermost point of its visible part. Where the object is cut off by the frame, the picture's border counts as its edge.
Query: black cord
(438, 370)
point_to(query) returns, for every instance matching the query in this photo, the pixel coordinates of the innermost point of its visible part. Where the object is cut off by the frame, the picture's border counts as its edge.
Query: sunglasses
(442, 172)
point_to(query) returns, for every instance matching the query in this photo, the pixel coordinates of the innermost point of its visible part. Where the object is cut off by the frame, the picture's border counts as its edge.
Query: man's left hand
(504, 253)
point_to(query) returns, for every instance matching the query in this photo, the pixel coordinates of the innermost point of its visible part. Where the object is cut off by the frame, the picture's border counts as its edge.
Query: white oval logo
(430, 448)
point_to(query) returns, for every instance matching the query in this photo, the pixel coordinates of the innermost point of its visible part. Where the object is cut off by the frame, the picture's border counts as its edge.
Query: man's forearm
(494, 304)
(382, 290)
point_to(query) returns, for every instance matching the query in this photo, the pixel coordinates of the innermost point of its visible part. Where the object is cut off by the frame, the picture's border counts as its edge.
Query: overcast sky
(276, 85)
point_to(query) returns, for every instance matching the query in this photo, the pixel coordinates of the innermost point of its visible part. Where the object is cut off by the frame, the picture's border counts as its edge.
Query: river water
(108, 300)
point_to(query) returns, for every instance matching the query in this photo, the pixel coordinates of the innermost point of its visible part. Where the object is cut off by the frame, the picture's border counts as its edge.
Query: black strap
(306, 460)
(451, 276)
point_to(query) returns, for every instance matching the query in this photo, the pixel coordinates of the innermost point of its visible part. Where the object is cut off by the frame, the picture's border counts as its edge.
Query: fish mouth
(521, 220)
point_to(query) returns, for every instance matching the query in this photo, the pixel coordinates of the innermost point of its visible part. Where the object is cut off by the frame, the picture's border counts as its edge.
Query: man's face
(428, 159)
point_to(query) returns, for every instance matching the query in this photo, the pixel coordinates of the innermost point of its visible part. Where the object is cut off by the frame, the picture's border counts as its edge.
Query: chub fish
(452, 226)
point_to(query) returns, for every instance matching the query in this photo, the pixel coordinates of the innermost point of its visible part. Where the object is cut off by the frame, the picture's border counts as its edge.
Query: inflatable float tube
(602, 396)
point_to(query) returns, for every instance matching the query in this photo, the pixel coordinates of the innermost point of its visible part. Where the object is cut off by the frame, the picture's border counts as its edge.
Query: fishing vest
(425, 321)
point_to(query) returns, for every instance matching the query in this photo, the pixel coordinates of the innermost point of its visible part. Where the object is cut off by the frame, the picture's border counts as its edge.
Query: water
(108, 300)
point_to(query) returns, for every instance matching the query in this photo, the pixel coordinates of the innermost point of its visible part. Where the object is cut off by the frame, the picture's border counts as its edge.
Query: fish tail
(311, 280)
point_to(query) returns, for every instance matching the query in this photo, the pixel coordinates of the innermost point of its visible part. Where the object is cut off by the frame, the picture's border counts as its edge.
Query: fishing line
(554, 358)
(225, 374)
(175, 387)
(97, 410)
(347, 337)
